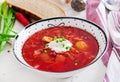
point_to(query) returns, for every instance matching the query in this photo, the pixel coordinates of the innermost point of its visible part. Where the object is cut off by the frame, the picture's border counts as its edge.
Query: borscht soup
(60, 49)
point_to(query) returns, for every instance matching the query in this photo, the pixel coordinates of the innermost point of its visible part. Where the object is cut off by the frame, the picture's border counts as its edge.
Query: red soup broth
(84, 49)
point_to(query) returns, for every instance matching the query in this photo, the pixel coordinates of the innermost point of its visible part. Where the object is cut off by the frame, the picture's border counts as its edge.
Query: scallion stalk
(7, 20)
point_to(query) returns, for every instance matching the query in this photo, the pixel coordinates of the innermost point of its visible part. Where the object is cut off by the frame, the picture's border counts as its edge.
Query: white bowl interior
(93, 29)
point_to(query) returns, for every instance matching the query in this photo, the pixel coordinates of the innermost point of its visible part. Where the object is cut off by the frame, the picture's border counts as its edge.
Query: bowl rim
(75, 18)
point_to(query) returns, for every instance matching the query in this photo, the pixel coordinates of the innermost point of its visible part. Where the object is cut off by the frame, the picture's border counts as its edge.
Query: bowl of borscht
(60, 47)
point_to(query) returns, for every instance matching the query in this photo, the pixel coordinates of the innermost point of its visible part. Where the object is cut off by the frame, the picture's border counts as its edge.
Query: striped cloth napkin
(97, 13)
(113, 68)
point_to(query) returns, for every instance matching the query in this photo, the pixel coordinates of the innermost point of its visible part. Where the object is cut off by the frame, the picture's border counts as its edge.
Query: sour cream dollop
(60, 45)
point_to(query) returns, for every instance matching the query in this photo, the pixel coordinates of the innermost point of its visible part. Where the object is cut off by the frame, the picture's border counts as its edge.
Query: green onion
(55, 37)
(63, 45)
(57, 41)
(63, 39)
(68, 47)
(47, 45)
(7, 35)
(7, 20)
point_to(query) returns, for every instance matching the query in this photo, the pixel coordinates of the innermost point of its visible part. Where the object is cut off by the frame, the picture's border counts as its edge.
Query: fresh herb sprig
(7, 20)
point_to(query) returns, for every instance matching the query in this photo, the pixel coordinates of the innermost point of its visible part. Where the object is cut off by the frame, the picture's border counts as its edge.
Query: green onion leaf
(68, 47)
(7, 21)
(55, 37)
(7, 35)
